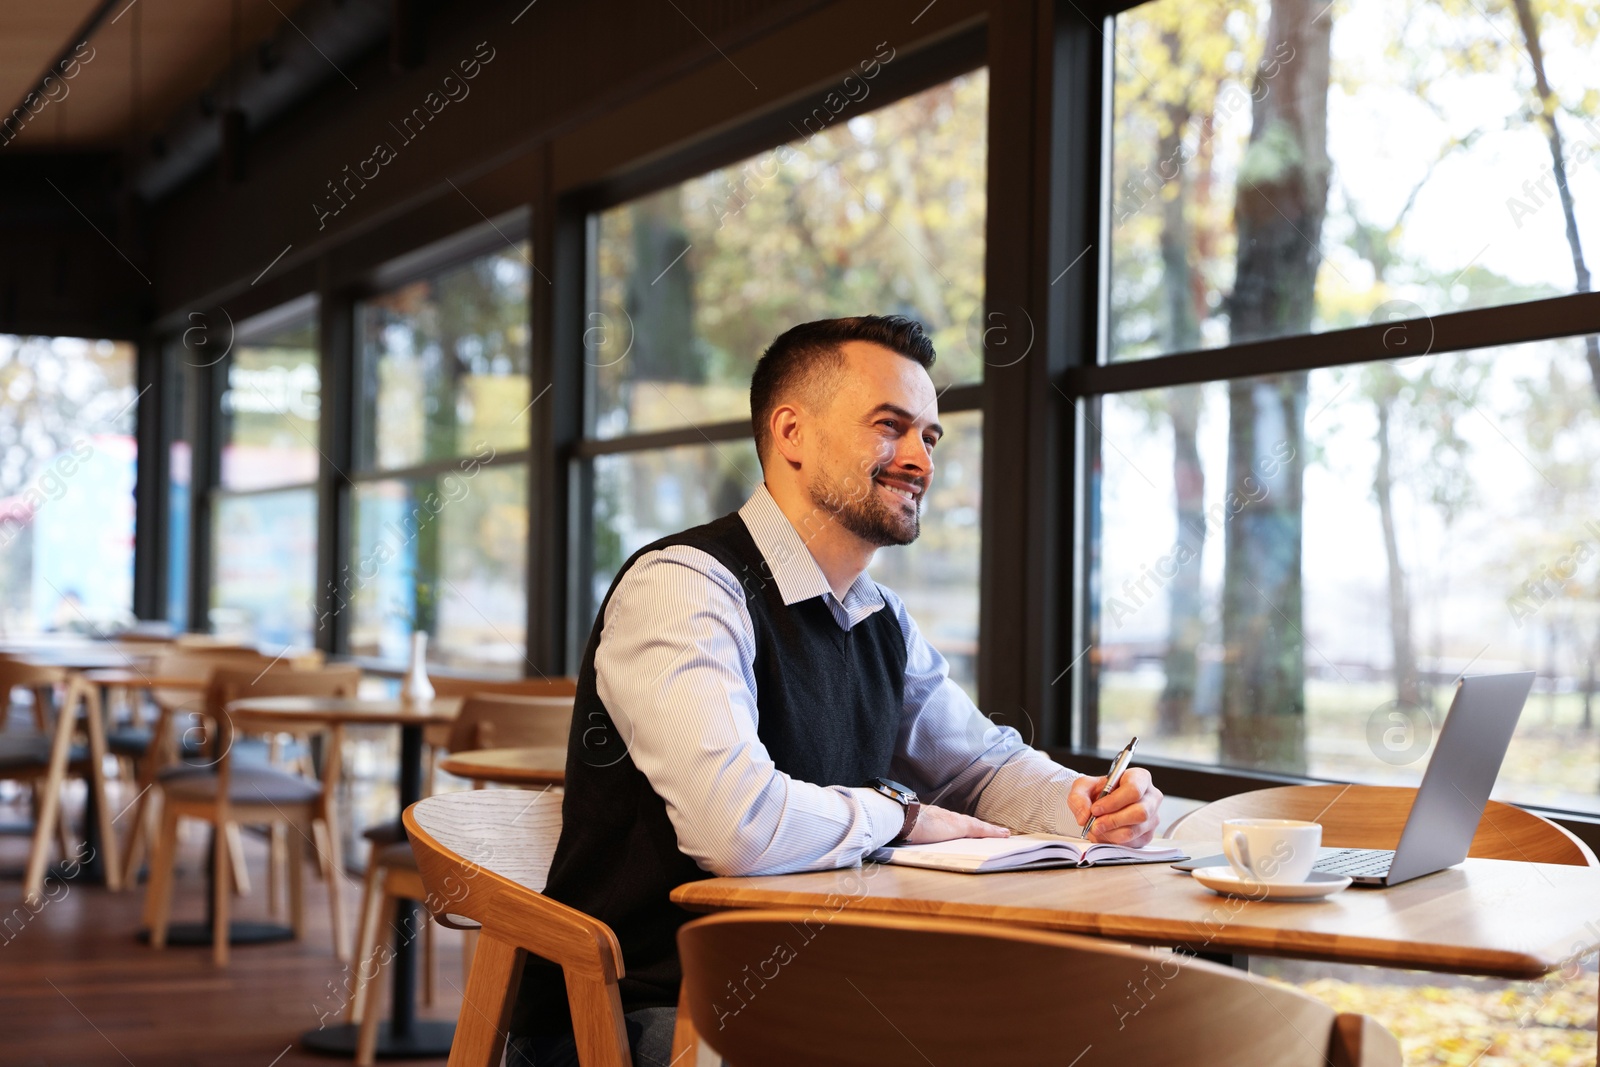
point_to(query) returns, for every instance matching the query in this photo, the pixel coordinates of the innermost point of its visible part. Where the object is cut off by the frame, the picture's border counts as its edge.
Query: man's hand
(942, 824)
(1128, 815)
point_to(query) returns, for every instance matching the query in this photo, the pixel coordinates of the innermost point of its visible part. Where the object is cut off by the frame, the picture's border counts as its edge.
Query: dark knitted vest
(829, 705)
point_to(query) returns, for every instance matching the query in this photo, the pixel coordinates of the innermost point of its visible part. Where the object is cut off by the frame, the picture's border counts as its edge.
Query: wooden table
(1488, 917)
(406, 1036)
(544, 765)
(85, 657)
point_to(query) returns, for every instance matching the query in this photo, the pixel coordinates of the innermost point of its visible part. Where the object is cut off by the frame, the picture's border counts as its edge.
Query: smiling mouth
(904, 494)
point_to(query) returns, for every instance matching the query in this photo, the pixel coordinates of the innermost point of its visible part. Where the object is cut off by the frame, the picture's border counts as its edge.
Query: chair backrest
(483, 857)
(1372, 816)
(232, 683)
(38, 680)
(213, 643)
(236, 683)
(510, 722)
(198, 665)
(446, 685)
(782, 988)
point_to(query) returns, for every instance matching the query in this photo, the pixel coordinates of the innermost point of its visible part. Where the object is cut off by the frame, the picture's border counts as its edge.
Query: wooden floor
(78, 988)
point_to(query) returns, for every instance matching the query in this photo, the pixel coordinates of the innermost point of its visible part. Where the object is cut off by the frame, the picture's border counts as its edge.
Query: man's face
(871, 460)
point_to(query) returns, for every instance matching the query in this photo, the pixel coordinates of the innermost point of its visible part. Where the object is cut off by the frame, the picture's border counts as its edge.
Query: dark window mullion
(1573, 315)
(434, 468)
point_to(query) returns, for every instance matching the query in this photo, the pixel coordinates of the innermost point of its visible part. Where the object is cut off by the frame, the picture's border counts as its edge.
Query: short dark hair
(802, 358)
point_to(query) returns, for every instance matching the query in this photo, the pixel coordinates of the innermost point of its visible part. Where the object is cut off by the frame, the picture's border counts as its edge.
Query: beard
(867, 515)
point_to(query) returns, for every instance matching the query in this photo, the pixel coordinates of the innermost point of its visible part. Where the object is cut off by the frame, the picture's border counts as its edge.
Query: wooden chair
(1372, 816)
(493, 721)
(437, 737)
(485, 721)
(147, 749)
(785, 989)
(41, 683)
(483, 858)
(231, 794)
(48, 756)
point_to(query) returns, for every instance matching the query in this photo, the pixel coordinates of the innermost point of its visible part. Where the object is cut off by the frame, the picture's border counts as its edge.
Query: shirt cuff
(884, 816)
(1067, 824)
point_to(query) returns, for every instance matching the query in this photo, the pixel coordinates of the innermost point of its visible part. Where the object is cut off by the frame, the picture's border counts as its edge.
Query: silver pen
(1113, 776)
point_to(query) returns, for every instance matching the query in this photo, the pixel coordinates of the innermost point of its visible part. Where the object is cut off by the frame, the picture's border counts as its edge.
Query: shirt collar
(791, 564)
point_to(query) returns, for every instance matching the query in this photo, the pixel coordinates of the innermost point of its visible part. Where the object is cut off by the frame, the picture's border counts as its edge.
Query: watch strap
(913, 810)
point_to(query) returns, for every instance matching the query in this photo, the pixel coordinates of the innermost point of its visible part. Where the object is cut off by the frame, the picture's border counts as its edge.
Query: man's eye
(890, 423)
(930, 442)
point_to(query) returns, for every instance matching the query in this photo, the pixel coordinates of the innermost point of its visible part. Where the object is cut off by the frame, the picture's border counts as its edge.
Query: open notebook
(1020, 852)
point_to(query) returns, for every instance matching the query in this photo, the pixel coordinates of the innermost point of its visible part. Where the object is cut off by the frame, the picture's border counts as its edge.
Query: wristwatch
(902, 796)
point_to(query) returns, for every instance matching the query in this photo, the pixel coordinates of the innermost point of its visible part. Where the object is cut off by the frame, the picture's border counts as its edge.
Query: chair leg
(46, 812)
(221, 892)
(241, 869)
(158, 891)
(143, 815)
(366, 936)
(480, 1038)
(331, 861)
(367, 1036)
(297, 881)
(469, 945)
(64, 835)
(275, 868)
(95, 782)
(428, 963)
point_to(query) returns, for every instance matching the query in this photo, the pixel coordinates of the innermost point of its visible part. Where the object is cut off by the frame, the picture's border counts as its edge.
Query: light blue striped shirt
(676, 669)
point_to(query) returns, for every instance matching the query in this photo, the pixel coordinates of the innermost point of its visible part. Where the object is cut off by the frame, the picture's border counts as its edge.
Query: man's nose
(914, 456)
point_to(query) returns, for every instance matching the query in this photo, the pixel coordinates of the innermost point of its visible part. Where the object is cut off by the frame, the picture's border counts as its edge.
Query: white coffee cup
(1271, 851)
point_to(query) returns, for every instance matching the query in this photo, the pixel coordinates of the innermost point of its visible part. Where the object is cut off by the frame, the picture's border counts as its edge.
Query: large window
(264, 510)
(440, 506)
(874, 212)
(67, 469)
(1289, 571)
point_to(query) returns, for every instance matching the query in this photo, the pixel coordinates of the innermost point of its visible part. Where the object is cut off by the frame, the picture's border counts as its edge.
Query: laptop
(1454, 790)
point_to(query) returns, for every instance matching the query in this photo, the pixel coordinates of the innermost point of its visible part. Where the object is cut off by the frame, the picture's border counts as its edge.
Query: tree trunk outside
(1263, 681)
(1589, 683)
(1185, 627)
(1529, 25)
(660, 295)
(1185, 598)
(1281, 202)
(1408, 689)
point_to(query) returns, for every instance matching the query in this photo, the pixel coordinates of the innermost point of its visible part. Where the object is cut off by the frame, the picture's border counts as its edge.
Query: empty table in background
(545, 765)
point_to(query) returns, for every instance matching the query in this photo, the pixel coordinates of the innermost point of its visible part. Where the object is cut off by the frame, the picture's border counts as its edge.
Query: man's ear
(786, 428)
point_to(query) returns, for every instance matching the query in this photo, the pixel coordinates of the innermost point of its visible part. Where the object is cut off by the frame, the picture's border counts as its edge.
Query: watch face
(900, 792)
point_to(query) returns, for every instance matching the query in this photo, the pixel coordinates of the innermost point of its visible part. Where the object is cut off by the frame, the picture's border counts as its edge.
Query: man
(750, 696)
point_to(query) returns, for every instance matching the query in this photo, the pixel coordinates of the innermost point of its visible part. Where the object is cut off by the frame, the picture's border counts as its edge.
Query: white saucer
(1226, 881)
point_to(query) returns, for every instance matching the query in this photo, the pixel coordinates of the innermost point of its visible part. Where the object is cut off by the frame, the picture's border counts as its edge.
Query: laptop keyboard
(1356, 862)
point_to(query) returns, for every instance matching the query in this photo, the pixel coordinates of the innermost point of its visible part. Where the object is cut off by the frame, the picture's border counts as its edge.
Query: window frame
(511, 229)
(206, 491)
